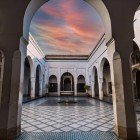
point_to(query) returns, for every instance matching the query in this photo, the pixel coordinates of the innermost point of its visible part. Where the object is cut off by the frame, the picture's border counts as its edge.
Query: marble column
(40, 87)
(58, 88)
(123, 34)
(92, 88)
(33, 87)
(11, 98)
(59, 85)
(75, 86)
(100, 81)
(123, 99)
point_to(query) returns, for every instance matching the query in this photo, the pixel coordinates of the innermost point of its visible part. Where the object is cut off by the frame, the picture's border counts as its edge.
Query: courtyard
(47, 118)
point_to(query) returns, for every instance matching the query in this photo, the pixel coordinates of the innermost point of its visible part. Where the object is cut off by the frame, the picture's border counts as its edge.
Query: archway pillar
(58, 88)
(59, 82)
(12, 89)
(93, 88)
(123, 96)
(100, 81)
(123, 100)
(40, 87)
(75, 86)
(32, 87)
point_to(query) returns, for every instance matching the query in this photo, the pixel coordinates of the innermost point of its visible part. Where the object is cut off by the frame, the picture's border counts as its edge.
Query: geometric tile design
(98, 135)
(91, 117)
(61, 102)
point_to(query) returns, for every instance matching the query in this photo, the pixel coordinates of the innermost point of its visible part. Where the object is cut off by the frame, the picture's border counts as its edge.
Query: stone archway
(107, 83)
(35, 5)
(115, 8)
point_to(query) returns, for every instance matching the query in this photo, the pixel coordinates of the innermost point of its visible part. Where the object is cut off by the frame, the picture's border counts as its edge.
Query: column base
(101, 98)
(32, 98)
(10, 134)
(127, 133)
(93, 96)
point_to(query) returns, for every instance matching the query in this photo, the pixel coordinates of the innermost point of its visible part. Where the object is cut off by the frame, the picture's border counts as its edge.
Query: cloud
(70, 26)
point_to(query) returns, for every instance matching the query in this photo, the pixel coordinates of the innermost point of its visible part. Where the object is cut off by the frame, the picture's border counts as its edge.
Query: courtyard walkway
(87, 119)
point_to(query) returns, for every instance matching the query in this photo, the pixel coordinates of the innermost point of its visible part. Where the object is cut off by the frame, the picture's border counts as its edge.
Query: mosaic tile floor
(69, 136)
(43, 116)
(46, 116)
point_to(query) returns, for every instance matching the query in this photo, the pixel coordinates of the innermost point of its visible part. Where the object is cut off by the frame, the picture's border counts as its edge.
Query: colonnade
(101, 84)
(33, 80)
(15, 22)
(67, 83)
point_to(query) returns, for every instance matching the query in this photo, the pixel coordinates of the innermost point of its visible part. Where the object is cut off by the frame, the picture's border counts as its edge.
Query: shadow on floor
(28, 99)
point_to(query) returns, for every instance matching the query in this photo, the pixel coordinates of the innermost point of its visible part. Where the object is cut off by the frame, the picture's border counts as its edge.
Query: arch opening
(136, 84)
(107, 84)
(67, 82)
(135, 56)
(31, 10)
(135, 61)
(37, 83)
(53, 85)
(96, 84)
(81, 83)
(27, 80)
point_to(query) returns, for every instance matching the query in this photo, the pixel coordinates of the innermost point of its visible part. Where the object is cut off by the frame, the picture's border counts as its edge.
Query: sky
(66, 27)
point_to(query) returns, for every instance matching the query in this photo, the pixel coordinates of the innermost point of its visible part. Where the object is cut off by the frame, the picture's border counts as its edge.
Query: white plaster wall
(37, 58)
(137, 28)
(34, 51)
(58, 68)
(95, 60)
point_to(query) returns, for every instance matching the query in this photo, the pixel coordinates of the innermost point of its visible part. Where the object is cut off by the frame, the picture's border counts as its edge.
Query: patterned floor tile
(84, 128)
(67, 128)
(41, 125)
(48, 129)
(45, 116)
(75, 125)
(102, 128)
(96, 135)
(30, 129)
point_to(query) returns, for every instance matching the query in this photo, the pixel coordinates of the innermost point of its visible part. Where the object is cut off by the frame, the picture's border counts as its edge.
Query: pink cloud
(78, 33)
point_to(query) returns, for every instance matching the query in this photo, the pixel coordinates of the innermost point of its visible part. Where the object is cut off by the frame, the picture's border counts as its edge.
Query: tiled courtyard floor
(87, 115)
(47, 115)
